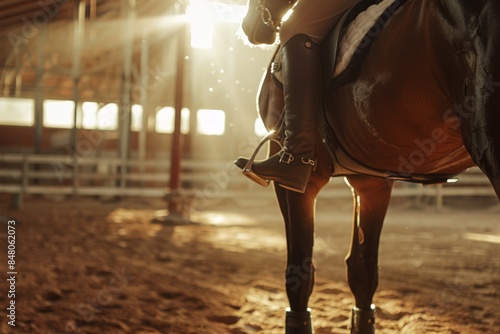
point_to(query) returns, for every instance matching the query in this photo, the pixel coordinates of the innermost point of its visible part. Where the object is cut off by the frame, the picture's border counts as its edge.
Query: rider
(300, 37)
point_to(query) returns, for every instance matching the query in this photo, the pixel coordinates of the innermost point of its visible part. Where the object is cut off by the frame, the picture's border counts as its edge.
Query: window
(203, 15)
(202, 24)
(89, 110)
(165, 120)
(211, 122)
(136, 121)
(14, 111)
(104, 118)
(202, 34)
(58, 114)
(107, 117)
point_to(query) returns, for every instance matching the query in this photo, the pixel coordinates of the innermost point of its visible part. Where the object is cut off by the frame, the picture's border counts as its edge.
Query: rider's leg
(301, 64)
(303, 86)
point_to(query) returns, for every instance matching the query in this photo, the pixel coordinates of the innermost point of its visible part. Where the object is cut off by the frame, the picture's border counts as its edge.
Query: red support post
(178, 203)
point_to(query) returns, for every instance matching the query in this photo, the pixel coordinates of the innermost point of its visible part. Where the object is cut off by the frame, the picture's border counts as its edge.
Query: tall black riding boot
(303, 86)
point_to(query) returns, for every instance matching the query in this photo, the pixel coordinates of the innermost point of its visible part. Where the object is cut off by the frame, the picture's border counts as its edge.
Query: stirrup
(247, 170)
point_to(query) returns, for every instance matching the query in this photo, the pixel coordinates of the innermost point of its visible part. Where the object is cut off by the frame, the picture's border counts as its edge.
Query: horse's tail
(480, 111)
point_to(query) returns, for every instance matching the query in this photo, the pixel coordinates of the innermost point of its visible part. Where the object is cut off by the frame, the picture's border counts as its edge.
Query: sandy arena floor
(99, 266)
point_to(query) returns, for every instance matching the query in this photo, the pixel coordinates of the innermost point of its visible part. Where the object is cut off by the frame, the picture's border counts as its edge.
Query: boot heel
(247, 170)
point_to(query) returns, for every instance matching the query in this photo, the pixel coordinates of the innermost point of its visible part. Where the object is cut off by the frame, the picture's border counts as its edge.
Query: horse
(420, 102)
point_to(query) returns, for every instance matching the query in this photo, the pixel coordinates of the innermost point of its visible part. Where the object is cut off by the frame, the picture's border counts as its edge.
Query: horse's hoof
(363, 321)
(298, 322)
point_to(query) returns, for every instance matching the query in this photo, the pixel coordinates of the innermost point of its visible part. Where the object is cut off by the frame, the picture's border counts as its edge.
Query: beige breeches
(314, 18)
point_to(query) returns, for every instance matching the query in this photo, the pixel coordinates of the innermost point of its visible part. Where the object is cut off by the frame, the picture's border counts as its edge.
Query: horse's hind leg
(371, 200)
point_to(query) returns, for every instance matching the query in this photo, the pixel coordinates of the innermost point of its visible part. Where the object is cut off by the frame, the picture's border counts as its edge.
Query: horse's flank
(407, 103)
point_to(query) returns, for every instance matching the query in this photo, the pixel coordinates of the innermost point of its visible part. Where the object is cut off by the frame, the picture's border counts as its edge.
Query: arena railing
(58, 175)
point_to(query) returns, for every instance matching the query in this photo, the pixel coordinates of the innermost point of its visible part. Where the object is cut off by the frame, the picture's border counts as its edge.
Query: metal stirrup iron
(247, 170)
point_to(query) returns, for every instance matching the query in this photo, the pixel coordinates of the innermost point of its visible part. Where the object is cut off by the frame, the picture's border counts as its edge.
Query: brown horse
(421, 102)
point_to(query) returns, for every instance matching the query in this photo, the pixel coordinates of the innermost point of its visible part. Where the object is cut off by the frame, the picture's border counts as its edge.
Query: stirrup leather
(247, 170)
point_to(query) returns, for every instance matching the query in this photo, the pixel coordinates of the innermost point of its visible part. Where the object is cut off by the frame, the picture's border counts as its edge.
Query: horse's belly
(397, 135)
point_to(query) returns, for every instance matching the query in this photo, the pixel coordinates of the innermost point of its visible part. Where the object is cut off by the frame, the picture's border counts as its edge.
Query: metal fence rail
(25, 174)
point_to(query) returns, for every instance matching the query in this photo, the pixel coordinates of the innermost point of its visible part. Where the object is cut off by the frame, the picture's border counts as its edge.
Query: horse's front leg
(298, 213)
(371, 200)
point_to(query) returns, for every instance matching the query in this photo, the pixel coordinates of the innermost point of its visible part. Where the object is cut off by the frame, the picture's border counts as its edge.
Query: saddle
(337, 70)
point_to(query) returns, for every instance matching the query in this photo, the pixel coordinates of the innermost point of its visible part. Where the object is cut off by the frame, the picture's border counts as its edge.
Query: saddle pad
(357, 31)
